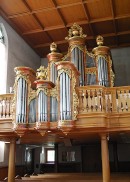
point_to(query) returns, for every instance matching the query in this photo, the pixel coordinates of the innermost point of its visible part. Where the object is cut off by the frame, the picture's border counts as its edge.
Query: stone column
(105, 158)
(11, 167)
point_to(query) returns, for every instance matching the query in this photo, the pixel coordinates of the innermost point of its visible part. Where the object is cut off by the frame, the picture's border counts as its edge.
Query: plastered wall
(19, 54)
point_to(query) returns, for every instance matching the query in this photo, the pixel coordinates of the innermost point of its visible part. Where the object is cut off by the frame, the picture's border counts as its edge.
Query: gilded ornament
(53, 47)
(54, 92)
(75, 31)
(91, 70)
(99, 40)
(65, 58)
(80, 47)
(75, 98)
(67, 71)
(45, 90)
(89, 53)
(31, 95)
(42, 73)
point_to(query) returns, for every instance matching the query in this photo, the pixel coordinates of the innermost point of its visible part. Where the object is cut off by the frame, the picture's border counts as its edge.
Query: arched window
(3, 59)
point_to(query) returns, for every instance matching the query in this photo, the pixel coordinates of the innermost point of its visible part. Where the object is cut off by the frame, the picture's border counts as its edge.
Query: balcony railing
(5, 106)
(95, 99)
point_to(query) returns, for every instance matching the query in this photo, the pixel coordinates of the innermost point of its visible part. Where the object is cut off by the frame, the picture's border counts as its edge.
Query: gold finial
(74, 31)
(99, 40)
(42, 73)
(53, 47)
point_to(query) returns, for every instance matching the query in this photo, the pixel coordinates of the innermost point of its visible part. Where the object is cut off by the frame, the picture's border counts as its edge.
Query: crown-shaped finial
(75, 31)
(99, 40)
(53, 47)
(42, 73)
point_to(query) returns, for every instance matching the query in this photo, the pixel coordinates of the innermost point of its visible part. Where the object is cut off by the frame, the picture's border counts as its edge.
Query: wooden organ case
(74, 92)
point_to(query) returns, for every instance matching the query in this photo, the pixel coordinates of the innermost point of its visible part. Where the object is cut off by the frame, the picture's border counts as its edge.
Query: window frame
(46, 156)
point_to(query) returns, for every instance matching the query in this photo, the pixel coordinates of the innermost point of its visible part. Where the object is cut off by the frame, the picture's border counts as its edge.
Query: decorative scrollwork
(65, 57)
(31, 95)
(75, 98)
(80, 47)
(91, 70)
(54, 92)
(90, 54)
(67, 71)
(42, 73)
(112, 75)
(45, 90)
(74, 31)
(105, 57)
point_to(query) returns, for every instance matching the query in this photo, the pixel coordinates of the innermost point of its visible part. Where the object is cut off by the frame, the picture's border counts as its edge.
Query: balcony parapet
(100, 99)
(6, 106)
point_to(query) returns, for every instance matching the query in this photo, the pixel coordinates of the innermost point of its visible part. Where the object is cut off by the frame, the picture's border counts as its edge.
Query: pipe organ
(104, 63)
(76, 41)
(56, 96)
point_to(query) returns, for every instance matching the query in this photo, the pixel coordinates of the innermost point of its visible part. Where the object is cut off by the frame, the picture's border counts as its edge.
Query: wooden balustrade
(104, 99)
(123, 99)
(5, 106)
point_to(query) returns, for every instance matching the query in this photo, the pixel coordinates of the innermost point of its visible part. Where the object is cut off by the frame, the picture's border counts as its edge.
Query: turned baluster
(91, 97)
(96, 98)
(1, 109)
(87, 107)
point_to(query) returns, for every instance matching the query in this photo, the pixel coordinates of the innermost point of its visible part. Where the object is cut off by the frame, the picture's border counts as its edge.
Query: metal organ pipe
(64, 95)
(61, 98)
(53, 109)
(53, 73)
(21, 101)
(104, 65)
(65, 105)
(53, 100)
(102, 71)
(78, 60)
(42, 106)
(32, 111)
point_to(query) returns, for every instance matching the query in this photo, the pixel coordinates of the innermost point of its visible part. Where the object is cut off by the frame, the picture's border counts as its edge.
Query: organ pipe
(24, 76)
(65, 102)
(76, 40)
(32, 111)
(42, 106)
(68, 80)
(105, 74)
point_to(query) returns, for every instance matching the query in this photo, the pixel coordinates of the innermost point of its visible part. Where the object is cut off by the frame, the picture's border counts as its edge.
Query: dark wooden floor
(76, 177)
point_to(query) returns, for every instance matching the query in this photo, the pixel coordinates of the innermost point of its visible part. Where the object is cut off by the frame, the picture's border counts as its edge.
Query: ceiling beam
(44, 9)
(114, 21)
(87, 16)
(59, 12)
(88, 38)
(37, 20)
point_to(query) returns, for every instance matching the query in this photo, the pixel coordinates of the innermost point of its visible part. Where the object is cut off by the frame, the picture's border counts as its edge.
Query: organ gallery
(72, 97)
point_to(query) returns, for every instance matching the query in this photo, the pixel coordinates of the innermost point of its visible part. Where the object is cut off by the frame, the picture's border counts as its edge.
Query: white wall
(19, 54)
(20, 155)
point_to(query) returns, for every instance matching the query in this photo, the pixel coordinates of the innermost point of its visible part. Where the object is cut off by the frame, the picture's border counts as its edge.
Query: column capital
(103, 136)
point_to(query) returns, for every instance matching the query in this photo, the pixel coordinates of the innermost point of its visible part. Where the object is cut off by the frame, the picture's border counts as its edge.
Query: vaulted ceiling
(41, 22)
